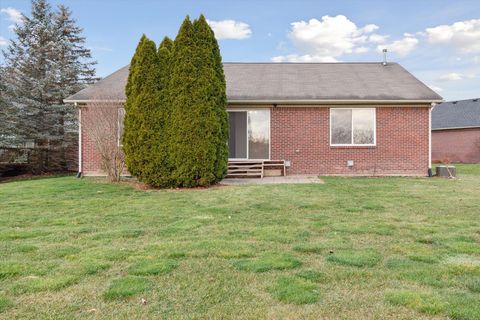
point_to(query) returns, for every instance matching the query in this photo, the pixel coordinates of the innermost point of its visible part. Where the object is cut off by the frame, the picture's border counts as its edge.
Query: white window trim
(269, 133)
(120, 111)
(374, 144)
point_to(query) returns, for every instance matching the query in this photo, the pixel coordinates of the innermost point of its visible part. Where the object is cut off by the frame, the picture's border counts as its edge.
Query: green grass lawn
(352, 248)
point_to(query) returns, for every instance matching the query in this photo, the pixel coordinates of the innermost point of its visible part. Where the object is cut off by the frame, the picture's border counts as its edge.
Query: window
(352, 127)
(259, 134)
(121, 116)
(249, 134)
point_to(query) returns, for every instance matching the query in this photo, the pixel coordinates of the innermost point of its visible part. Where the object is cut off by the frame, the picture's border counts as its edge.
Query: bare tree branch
(103, 123)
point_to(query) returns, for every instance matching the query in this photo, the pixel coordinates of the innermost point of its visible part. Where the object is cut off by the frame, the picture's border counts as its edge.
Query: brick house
(313, 118)
(456, 131)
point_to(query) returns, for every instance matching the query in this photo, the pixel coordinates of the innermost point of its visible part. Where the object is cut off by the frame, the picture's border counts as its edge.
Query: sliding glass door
(237, 141)
(249, 134)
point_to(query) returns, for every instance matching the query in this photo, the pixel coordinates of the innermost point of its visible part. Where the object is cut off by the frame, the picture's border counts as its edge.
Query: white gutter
(456, 128)
(430, 136)
(331, 101)
(96, 100)
(291, 102)
(79, 139)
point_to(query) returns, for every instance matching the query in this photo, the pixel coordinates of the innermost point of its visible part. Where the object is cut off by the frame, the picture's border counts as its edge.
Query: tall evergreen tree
(8, 114)
(157, 170)
(73, 60)
(140, 108)
(44, 64)
(206, 38)
(74, 69)
(29, 76)
(193, 120)
(176, 123)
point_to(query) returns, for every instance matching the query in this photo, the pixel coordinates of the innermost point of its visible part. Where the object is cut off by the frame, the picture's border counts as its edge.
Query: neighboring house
(316, 118)
(456, 131)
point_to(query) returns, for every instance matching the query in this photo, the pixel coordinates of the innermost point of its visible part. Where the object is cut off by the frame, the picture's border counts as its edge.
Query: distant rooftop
(296, 82)
(456, 114)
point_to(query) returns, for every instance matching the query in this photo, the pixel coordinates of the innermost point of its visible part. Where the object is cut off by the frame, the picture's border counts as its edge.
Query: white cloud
(401, 47)
(14, 16)
(361, 50)
(454, 76)
(463, 35)
(230, 29)
(451, 77)
(330, 36)
(369, 28)
(377, 38)
(3, 41)
(303, 58)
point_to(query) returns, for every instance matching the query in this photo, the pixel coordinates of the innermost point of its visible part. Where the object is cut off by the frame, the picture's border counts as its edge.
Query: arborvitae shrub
(176, 123)
(140, 107)
(157, 171)
(195, 125)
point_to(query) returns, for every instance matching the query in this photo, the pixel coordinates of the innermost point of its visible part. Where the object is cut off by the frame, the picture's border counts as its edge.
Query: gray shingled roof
(295, 82)
(456, 114)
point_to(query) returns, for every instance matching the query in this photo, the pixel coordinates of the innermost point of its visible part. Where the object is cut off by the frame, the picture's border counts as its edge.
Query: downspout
(430, 174)
(79, 174)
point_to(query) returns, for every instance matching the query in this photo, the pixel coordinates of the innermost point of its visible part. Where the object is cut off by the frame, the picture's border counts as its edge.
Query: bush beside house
(157, 170)
(142, 95)
(176, 123)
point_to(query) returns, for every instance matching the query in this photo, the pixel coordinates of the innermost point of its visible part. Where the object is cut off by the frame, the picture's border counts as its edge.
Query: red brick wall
(91, 160)
(457, 145)
(301, 135)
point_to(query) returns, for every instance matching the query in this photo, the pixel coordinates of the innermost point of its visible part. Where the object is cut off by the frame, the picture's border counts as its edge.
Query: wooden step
(245, 164)
(244, 174)
(245, 170)
(255, 169)
(274, 168)
(245, 167)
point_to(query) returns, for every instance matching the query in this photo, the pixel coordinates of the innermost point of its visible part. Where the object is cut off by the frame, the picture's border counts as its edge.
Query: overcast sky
(438, 41)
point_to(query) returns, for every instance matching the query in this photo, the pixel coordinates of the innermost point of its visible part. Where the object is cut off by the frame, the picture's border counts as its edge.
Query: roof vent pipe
(384, 57)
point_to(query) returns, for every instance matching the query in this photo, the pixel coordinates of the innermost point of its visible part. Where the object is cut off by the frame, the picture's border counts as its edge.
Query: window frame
(374, 144)
(269, 133)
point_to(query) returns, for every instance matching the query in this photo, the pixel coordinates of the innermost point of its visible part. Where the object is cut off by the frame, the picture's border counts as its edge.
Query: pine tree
(72, 58)
(74, 65)
(140, 108)
(29, 75)
(8, 114)
(44, 64)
